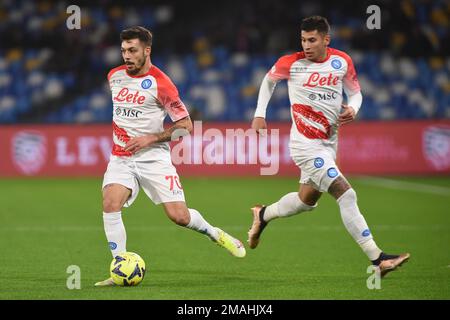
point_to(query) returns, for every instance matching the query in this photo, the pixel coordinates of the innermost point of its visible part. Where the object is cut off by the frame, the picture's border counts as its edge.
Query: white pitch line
(405, 185)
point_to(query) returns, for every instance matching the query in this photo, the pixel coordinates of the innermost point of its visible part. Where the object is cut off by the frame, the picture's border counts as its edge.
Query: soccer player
(316, 77)
(142, 96)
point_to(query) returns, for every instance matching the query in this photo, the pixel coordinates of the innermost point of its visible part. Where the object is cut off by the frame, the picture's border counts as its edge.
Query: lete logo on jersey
(124, 95)
(315, 80)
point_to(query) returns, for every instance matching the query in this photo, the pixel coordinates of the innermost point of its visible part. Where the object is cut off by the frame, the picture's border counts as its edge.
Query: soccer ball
(127, 269)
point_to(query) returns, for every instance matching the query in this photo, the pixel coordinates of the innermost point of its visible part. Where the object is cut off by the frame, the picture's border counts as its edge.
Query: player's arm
(279, 71)
(352, 107)
(265, 93)
(353, 91)
(180, 128)
(171, 102)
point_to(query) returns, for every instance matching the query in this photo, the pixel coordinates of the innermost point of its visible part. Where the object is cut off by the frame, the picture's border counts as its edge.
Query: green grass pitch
(47, 225)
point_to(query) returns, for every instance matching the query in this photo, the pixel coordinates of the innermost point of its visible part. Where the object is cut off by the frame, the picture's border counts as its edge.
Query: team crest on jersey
(29, 151)
(336, 64)
(147, 83)
(436, 146)
(318, 162)
(332, 172)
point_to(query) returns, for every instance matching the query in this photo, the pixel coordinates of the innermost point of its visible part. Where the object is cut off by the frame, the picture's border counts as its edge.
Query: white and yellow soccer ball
(127, 269)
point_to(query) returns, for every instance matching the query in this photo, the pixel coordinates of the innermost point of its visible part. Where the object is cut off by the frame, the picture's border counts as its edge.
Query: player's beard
(137, 66)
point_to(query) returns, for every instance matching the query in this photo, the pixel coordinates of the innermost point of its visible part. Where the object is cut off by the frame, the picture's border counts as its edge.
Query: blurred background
(53, 79)
(217, 54)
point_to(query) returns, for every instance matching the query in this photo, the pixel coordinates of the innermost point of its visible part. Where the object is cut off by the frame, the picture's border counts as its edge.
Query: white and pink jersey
(315, 93)
(140, 104)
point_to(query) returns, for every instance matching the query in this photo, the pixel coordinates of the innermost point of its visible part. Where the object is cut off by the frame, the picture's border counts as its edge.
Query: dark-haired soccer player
(317, 77)
(142, 96)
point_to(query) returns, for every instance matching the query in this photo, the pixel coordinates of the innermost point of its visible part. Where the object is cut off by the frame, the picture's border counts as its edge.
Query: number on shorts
(172, 180)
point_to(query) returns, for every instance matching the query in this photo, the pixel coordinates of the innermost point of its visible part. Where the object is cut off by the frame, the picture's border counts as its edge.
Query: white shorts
(318, 167)
(158, 179)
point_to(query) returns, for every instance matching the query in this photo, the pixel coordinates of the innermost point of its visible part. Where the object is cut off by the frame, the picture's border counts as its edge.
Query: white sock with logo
(356, 225)
(115, 232)
(288, 205)
(198, 223)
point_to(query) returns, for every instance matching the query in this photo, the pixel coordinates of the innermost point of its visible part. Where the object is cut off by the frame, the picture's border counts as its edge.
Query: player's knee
(348, 196)
(111, 205)
(180, 217)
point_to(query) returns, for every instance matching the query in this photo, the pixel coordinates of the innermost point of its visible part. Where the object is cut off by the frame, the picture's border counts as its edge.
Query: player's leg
(114, 197)
(120, 188)
(290, 204)
(356, 225)
(161, 183)
(179, 213)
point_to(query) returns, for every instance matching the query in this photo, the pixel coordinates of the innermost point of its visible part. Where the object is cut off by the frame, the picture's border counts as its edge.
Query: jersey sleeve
(113, 71)
(350, 81)
(169, 98)
(281, 69)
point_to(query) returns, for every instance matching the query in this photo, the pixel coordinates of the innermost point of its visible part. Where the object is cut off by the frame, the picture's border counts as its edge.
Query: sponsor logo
(323, 96)
(29, 151)
(436, 146)
(124, 95)
(112, 245)
(299, 69)
(147, 83)
(128, 112)
(176, 104)
(318, 162)
(315, 80)
(332, 172)
(366, 233)
(336, 64)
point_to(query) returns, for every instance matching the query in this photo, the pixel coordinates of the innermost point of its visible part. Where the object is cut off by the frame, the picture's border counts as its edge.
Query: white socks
(198, 223)
(356, 225)
(117, 237)
(288, 205)
(115, 232)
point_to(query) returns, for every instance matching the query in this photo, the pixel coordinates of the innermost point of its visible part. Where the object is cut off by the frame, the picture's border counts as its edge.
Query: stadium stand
(49, 74)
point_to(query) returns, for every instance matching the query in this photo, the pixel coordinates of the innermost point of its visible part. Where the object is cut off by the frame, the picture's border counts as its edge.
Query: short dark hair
(144, 35)
(315, 23)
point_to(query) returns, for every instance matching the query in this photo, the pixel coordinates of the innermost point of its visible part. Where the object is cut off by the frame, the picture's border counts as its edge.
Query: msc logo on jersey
(147, 83)
(336, 64)
(29, 151)
(127, 112)
(323, 96)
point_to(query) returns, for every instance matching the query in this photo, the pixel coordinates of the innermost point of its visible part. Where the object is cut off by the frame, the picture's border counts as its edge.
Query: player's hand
(260, 125)
(138, 143)
(348, 115)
